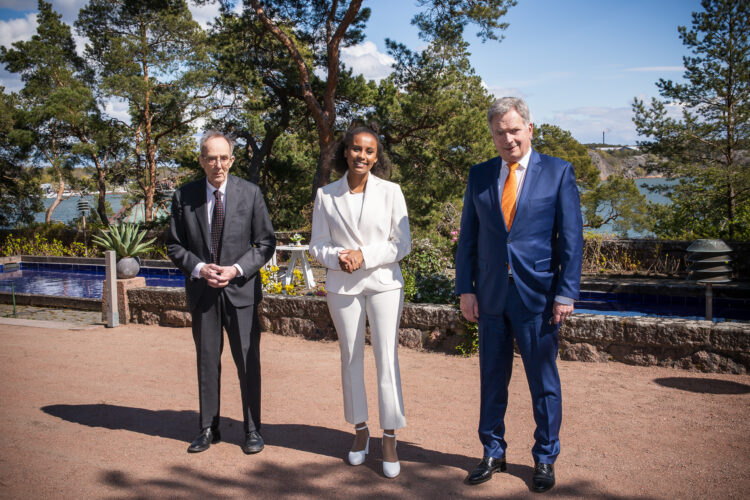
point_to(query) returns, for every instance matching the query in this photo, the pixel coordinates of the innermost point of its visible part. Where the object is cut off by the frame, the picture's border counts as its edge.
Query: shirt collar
(523, 162)
(222, 189)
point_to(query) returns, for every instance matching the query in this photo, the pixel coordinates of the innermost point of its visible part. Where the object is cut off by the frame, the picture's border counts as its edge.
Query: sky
(578, 63)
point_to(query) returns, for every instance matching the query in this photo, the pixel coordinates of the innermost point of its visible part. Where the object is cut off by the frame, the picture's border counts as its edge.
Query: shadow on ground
(427, 473)
(313, 480)
(704, 385)
(182, 426)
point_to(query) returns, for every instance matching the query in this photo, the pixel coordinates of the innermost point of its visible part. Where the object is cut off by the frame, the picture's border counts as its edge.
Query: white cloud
(365, 59)
(11, 81)
(204, 14)
(14, 30)
(118, 109)
(587, 123)
(657, 68)
(499, 92)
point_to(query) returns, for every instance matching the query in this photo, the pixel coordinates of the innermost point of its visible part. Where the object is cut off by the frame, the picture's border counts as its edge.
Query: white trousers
(384, 314)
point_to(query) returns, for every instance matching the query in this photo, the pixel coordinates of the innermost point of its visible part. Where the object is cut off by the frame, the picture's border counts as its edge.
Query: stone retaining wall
(644, 341)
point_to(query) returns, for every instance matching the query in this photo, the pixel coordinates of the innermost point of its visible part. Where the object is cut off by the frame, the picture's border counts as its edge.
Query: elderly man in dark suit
(220, 236)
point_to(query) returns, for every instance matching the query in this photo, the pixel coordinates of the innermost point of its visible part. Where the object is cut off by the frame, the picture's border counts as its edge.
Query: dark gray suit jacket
(247, 239)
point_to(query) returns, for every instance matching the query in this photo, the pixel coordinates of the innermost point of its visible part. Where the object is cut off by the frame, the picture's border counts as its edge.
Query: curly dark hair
(382, 167)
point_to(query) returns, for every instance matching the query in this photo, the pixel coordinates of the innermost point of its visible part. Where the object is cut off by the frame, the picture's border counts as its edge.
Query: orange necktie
(508, 203)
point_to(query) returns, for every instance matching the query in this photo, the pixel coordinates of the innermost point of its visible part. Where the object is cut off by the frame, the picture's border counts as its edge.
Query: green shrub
(424, 275)
(470, 339)
(39, 245)
(425, 259)
(410, 286)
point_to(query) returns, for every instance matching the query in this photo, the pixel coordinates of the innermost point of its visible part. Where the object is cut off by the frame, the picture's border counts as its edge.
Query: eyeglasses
(221, 160)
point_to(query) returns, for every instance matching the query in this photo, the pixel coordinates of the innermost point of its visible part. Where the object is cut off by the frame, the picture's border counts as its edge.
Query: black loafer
(253, 443)
(544, 478)
(204, 440)
(484, 470)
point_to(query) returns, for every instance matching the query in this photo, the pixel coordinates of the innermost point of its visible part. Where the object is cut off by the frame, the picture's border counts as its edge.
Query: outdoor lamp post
(83, 209)
(709, 262)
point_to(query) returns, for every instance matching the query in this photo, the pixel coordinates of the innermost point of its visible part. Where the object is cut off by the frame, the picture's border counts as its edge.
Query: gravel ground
(108, 413)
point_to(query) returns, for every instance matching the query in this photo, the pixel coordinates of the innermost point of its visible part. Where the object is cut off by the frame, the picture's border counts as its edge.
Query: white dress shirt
(210, 202)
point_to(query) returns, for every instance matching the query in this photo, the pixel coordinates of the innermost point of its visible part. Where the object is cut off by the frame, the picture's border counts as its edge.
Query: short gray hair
(505, 104)
(211, 134)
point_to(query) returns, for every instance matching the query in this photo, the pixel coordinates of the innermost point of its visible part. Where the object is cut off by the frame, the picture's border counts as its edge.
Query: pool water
(78, 280)
(689, 307)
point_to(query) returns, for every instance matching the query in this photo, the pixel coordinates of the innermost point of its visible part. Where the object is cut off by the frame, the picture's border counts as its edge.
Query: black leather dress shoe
(544, 478)
(204, 440)
(253, 443)
(483, 472)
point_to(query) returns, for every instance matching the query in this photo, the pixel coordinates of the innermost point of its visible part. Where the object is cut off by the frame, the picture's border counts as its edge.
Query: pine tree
(708, 149)
(151, 54)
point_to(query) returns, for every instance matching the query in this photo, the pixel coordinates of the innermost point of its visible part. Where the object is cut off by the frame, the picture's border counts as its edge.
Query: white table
(298, 257)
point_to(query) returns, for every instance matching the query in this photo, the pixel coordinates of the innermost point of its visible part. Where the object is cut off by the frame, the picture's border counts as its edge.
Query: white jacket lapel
(372, 205)
(342, 207)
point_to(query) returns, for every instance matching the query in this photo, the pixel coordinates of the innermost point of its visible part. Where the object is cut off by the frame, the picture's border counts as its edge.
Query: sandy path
(109, 413)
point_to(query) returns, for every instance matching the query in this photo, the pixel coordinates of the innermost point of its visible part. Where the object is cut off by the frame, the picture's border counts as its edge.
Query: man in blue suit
(518, 270)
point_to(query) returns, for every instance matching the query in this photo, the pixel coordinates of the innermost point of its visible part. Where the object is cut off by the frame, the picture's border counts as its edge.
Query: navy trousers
(538, 342)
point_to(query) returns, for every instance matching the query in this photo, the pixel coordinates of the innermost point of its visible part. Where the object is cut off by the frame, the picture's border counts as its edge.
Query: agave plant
(125, 240)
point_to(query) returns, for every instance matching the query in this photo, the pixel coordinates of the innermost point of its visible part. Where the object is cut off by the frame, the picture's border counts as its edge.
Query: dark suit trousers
(538, 342)
(213, 314)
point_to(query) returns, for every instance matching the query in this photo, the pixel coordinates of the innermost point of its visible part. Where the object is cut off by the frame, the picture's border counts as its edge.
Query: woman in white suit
(360, 231)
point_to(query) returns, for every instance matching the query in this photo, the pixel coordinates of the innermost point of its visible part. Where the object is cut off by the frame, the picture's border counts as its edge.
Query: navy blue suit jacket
(544, 246)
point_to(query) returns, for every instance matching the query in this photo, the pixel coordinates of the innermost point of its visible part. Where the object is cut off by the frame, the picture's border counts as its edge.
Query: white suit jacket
(382, 234)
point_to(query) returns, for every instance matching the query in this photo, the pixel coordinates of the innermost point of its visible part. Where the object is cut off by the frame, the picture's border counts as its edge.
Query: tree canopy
(614, 201)
(707, 147)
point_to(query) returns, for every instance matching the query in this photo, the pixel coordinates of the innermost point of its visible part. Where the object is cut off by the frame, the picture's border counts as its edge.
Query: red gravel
(109, 413)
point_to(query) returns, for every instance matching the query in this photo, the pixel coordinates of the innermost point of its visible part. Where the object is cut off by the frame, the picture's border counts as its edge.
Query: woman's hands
(350, 260)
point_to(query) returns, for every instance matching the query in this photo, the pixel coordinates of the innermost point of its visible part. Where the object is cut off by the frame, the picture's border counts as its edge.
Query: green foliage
(707, 148)
(554, 141)
(615, 200)
(470, 339)
(47, 64)
(20, 195)
(424, 259)
(424, 275)
(39, 245)
(152, 55)
(446, 19)
(618, 201)
(410, 285)
(59, 107)
(125, 240)
(432, 114)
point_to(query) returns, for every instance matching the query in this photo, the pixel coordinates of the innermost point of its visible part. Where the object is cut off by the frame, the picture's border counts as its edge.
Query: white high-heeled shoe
(358, 457)
(391, 469)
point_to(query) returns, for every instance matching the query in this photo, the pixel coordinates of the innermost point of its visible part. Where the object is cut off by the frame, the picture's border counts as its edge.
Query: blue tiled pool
(631, 304)
(79, 280)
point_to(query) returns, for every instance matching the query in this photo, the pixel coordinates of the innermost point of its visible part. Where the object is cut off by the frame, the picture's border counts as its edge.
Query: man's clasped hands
(218, 276)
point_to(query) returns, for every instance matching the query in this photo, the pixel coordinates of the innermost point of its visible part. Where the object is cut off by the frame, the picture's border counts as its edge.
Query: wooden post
(709, 302)
(110, 289)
